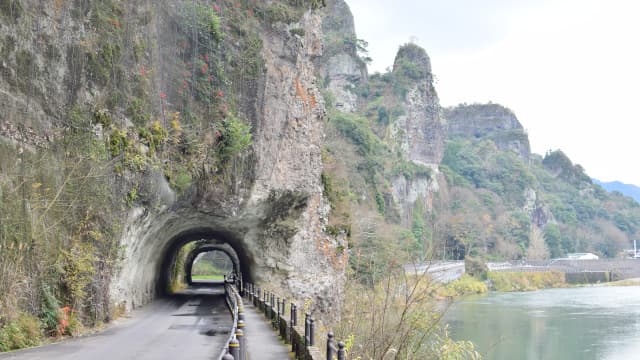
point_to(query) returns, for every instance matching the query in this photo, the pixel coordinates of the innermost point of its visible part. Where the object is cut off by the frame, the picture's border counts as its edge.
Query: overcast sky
(569, 69)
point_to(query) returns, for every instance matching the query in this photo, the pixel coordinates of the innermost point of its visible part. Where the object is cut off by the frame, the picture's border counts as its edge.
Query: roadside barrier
(235, 347)
(301, 337)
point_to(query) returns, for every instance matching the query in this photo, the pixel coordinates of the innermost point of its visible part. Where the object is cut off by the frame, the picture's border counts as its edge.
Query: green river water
(579, 323)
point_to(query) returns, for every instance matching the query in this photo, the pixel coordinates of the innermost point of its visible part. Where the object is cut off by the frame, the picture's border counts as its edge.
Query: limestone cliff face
(277, 213)
(188, 69)
(340, 67)
(422, 130)
(490, 121)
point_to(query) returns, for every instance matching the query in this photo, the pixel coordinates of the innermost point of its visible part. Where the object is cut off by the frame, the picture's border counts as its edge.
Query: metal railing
(302, 338)
(235, 348)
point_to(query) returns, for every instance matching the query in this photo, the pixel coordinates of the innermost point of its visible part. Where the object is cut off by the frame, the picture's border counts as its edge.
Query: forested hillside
(489, 196)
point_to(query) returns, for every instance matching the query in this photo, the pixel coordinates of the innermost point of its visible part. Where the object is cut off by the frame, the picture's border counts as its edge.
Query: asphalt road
(192, 325)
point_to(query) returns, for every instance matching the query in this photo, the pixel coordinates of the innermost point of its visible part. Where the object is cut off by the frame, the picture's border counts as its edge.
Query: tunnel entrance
(194, 260)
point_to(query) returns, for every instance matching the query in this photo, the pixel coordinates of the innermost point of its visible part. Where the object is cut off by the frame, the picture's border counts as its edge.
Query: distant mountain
(626, 189)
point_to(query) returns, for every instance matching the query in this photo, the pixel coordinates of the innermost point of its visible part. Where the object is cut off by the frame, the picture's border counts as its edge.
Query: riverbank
(526, 281)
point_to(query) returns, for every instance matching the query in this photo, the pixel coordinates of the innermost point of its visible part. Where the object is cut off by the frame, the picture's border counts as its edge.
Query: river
(579, 323)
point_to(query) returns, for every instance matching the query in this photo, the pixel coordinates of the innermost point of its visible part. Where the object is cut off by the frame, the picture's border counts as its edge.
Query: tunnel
(262, 238)
(204, 240)
(151, 245)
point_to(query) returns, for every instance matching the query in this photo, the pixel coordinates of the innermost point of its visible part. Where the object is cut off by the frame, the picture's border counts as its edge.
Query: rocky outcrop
(539, 213)
(340, 66)
(407, 192)
(421, 132)
(489, 121)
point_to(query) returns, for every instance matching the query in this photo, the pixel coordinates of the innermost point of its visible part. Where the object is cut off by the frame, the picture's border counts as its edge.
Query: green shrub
(137, 112)
(203, 20)
(118, 142)
(20, 333)
(411, 170)
(279, 12)
(153, 136)
(182, 181)
(75, 267)
(356, 129)
(475, 267)
(49, 314)
(235, 137)
(465, 285)
(297, 31)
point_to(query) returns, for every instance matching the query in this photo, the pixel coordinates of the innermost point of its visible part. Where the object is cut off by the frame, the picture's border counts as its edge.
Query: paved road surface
(263, 343)
(192, 325)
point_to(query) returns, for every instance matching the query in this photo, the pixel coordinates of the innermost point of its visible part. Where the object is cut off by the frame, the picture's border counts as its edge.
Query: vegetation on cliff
(133, 108)
(512, 203)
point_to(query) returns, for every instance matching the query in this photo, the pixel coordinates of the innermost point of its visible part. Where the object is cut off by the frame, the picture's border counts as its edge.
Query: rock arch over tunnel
(277, 241)
(152, 241)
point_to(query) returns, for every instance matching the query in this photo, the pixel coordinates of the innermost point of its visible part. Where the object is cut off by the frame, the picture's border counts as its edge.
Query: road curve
(191, 325)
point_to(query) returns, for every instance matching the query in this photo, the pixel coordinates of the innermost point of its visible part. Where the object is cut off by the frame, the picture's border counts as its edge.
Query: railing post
(256, 292)
(278, 301)
(342, 353)
(264, 301)
(307, 324)
(273, 310)
(330, 346)
(284, 308)
(242, 343)
(294, 314)
(234, 349)
(292, 323)
(267, 304)
(312, 328)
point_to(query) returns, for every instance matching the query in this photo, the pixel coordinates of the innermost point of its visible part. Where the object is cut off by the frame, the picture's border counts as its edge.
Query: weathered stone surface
(340, 67)
(489, 121)
(422, 131)
(406, 192)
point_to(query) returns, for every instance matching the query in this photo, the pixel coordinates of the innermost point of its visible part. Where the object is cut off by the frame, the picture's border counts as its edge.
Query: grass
(466, 285)
(207, 277)
(526, 281)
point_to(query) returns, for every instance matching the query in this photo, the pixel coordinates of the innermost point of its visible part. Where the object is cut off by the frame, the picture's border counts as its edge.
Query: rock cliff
(340, 67)
(423, 127)
(210, 120)
(489, 121)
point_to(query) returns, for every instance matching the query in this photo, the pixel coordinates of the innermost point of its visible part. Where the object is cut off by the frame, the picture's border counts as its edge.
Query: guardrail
(235, 348)
(300, 336)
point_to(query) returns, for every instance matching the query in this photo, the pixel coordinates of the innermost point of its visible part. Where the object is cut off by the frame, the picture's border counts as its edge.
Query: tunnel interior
(217, 248)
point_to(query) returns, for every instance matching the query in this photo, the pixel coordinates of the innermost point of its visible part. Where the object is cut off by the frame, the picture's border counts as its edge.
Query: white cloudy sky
(569, 69)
